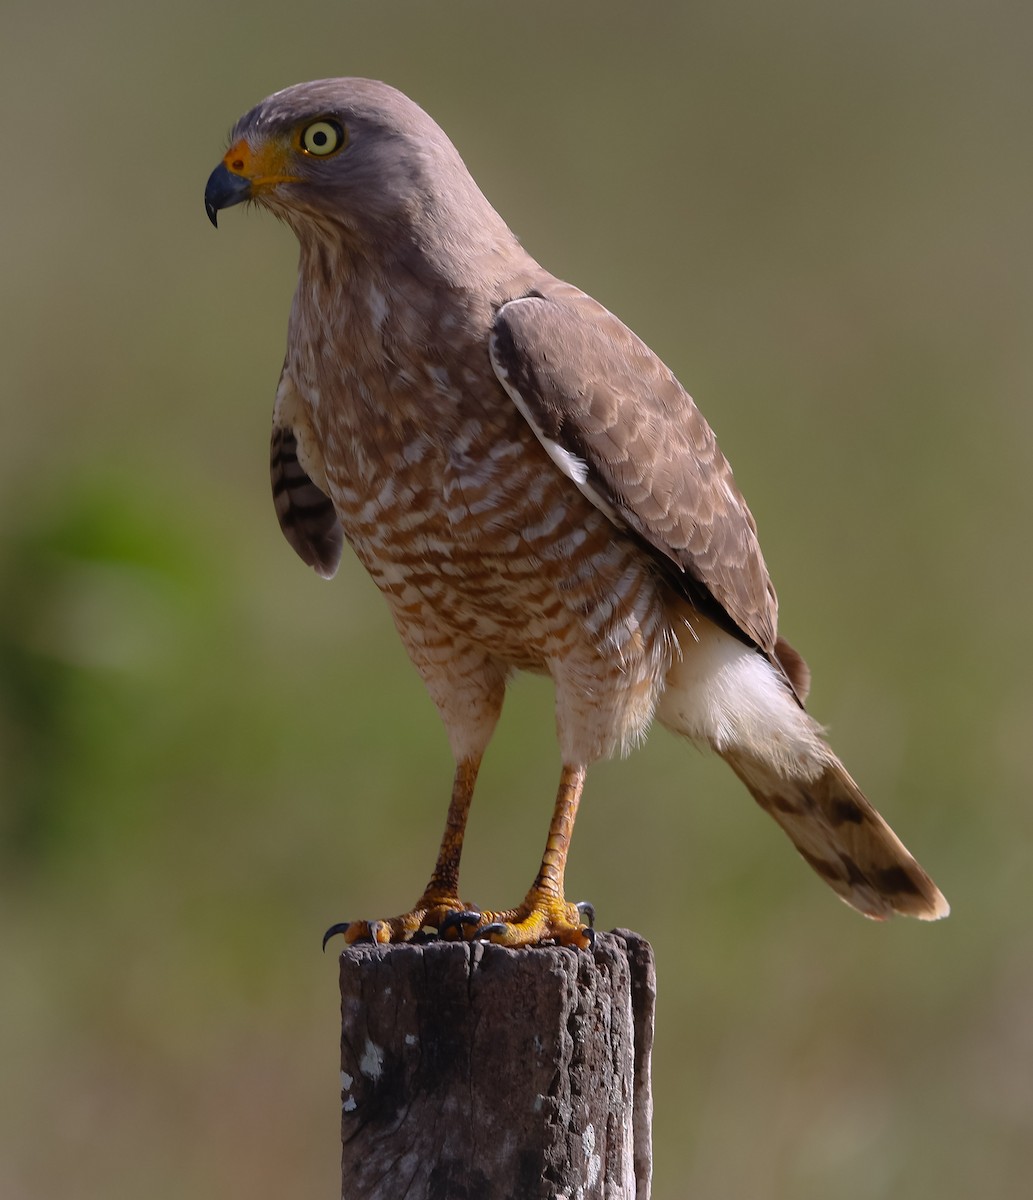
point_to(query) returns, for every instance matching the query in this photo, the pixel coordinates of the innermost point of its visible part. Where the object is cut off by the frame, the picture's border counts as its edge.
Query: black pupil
(320, 138)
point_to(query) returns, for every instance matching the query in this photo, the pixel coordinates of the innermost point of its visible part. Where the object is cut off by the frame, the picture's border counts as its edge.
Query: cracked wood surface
(474, 1072)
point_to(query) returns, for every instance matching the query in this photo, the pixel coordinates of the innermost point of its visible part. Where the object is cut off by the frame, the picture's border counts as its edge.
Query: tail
(843, 837)
(730, 696)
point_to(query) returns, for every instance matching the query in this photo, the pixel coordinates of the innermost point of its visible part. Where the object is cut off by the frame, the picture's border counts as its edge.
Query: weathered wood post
(474, 1072)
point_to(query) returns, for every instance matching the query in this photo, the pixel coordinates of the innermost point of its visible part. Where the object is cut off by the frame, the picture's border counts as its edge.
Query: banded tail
(729, 696)
(842, 836)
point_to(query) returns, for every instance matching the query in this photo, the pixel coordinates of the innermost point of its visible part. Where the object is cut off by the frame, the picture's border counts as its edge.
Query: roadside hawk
(531, 489)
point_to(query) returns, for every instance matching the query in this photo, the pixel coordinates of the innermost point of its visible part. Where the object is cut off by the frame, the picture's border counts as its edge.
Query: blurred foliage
(95, 598)
(819, 215)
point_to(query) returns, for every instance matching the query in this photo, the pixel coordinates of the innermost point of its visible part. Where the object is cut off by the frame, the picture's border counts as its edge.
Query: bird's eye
(322, 138)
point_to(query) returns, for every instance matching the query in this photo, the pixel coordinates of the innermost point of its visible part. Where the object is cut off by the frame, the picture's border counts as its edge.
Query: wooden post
(474, 1072)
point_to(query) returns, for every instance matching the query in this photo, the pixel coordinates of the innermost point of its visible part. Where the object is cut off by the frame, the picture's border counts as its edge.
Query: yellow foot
(432, 916)
(540, 919)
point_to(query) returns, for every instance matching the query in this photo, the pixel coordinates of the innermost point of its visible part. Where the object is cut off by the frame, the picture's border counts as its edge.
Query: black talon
(587, 909)
(589, 933)
(340, 927)
(457, 919)
(485, 932)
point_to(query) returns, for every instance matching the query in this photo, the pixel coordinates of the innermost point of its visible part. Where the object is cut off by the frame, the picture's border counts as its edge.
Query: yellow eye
(322, 138)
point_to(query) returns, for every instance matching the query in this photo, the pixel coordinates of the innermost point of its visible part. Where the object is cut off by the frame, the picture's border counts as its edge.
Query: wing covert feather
(594, 392)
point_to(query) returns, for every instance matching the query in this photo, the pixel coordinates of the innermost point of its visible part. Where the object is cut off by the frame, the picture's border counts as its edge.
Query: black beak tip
(223, 190)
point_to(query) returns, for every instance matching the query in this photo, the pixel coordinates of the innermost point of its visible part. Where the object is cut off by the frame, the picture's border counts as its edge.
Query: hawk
(531, 489)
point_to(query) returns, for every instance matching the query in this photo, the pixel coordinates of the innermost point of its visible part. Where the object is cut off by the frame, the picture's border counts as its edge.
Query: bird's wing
(305, 512)
(617, 422)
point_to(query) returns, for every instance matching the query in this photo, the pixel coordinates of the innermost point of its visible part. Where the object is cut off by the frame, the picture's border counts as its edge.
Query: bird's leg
(440, 899)
(545, 915)
(440, 904)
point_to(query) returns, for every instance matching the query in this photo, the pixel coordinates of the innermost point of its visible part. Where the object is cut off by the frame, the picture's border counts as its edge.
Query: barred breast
(470, 531)
(487, 540)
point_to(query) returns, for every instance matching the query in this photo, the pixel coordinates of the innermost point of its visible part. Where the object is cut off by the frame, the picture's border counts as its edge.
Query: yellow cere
(264, 166)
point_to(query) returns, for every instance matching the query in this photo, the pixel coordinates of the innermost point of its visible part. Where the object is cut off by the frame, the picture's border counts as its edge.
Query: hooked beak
(223, 190)
(248, 171)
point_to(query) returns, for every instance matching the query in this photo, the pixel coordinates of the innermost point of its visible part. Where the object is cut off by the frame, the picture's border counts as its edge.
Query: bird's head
(352, 156)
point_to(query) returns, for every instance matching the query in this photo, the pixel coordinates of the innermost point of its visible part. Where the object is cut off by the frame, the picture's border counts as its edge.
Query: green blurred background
(819, 215)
